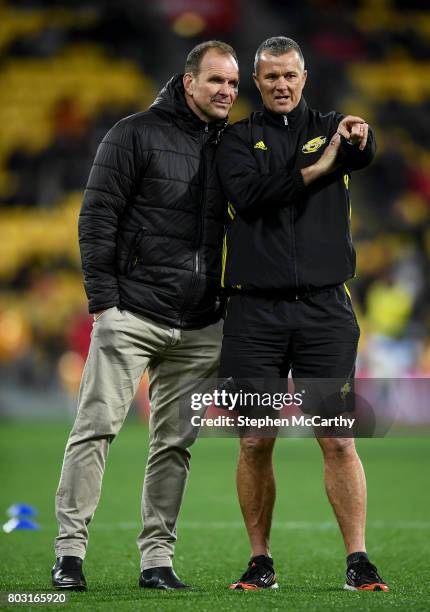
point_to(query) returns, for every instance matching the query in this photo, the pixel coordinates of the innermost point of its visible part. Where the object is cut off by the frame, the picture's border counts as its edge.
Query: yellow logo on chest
(313, 145)
(260, 145)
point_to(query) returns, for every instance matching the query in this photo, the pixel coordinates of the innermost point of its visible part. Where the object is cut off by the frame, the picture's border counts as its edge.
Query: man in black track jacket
(150, 233)
(287, 254)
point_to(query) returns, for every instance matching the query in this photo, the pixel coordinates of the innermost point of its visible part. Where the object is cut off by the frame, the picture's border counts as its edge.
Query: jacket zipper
(293, 247)
(203, 189)
(293, 235)
(197, 242)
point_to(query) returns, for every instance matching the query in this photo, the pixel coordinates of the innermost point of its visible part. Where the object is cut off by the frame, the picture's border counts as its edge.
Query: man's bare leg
(256, 490)
(345, 485)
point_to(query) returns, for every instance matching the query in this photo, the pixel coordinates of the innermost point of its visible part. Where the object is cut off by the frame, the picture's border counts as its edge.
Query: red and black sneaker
(259, 575)
(363, 576)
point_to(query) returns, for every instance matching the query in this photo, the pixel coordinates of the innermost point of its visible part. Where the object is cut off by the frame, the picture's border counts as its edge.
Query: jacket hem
(173, 321)
(105, 306)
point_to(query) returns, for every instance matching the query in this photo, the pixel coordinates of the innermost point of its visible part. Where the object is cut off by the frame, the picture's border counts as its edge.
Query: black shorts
(315, 337)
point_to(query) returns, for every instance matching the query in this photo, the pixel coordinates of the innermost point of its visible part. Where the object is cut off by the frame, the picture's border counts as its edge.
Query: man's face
(280, 80)
(211, 93)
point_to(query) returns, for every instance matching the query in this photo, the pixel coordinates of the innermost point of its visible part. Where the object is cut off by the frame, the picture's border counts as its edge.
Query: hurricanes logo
(345, 390)
(313, 145)
(260, 145)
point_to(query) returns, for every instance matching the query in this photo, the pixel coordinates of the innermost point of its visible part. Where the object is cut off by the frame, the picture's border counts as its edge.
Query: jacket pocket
(132, 257)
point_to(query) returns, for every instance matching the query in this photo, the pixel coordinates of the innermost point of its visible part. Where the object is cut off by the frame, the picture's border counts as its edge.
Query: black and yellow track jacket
(282, 236)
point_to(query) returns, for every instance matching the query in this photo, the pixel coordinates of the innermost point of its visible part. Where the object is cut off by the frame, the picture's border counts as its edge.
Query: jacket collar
(171, 100)
(292, 120)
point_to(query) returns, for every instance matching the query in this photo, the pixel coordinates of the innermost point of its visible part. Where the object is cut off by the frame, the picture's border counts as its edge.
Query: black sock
(263, 558)
(356, 556)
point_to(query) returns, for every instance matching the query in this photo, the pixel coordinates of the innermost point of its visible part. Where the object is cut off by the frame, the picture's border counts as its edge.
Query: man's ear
(305, 76)
(188, 81)
(257, 84)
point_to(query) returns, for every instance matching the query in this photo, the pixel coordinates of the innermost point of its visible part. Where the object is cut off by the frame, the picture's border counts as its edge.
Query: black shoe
(160, 578)
(363, 576)
(67, 574)
(259, 575)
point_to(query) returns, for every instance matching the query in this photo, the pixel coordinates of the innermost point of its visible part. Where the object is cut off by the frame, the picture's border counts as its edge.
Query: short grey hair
(195, 56)
(277, 45)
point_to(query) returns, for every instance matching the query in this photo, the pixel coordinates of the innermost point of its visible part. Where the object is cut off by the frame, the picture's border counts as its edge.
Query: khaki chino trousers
(123, 345)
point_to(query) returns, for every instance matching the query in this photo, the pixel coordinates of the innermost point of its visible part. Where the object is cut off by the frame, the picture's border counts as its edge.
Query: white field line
(289, 525)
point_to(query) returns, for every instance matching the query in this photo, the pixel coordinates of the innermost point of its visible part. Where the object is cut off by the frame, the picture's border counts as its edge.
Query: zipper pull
(285, 119)
(206, 128)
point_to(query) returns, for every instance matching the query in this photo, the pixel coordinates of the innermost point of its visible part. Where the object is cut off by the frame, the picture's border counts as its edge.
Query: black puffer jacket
(151, 223)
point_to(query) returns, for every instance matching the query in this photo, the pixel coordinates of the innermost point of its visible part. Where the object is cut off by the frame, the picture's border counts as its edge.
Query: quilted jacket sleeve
(110, 186)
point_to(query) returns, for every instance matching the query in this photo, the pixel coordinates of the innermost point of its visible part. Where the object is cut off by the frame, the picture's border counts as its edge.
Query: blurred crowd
(68, 74)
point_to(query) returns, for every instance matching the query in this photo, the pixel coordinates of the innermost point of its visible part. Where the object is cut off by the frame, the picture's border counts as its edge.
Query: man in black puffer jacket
(150, 233)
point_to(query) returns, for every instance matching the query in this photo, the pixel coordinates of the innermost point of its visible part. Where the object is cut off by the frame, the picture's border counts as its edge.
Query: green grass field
(212, 549)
